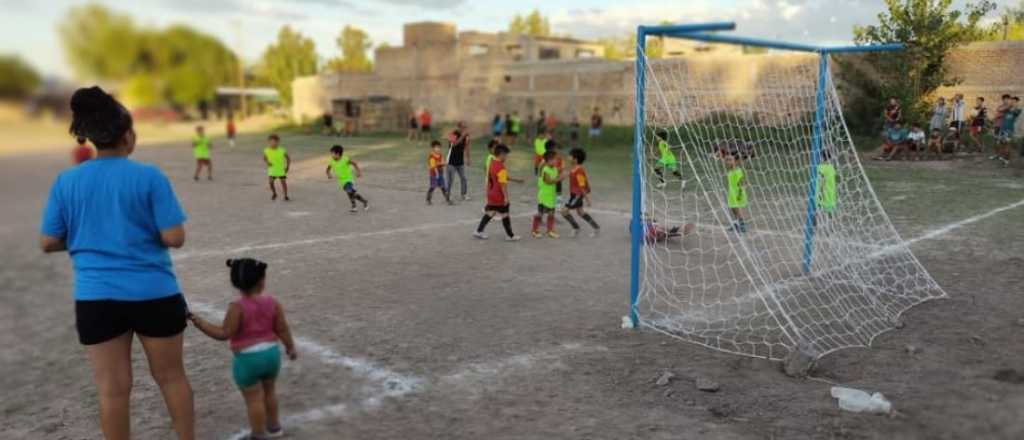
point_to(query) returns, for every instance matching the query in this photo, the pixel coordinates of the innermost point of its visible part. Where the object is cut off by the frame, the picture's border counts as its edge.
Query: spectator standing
(938, 121)
(458, 159)
(596, 121)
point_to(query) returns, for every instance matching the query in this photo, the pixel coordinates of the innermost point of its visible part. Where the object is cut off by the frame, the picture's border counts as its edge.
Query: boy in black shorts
(579, 193)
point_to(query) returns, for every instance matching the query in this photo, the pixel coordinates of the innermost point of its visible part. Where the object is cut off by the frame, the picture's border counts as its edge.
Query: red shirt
(578, 182)
(497, 176)
(434, 163)
(80, 154)
(231, 129)
(424, 119)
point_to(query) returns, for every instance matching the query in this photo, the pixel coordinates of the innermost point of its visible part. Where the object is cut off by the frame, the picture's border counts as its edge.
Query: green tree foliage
(17, 78)
(291, 56)
(624, 48)
(1009, 27)
(178, 65)
(533, 24)
(353, 44)
(929, 29)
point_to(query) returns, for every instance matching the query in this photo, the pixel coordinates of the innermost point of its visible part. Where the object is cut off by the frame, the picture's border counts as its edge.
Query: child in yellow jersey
(666, 159)
(546, 197)
(435, 170)
(342, 167)
(826, 189)
(579, 193)
(278, 163)
(201, 151)
(737, 192)
(539, 148)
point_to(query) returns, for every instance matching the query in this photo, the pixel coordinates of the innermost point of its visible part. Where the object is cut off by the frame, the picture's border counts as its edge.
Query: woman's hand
(292, 354)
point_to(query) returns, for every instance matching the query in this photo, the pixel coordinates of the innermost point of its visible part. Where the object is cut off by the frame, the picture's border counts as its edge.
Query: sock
(536, 223)
(507, 223)
(551, 222)
(572, 221)
(483, 223)
(590, 220)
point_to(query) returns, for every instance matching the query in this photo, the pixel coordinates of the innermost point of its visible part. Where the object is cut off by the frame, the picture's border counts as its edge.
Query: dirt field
(411, 329)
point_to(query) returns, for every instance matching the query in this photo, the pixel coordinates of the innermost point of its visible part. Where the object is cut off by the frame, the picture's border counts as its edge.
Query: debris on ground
(912, 350)
(707, 385)
(854, 400)
(665, 378)
(799, 362)
(1009, 375)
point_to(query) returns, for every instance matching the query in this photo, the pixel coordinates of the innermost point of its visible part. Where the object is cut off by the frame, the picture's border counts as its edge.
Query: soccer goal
(792, 252)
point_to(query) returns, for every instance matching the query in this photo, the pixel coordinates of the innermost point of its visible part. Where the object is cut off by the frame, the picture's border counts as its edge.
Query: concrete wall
(472, 76)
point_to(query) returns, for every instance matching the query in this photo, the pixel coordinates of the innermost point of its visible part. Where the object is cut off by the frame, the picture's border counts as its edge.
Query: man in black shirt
(458, 159)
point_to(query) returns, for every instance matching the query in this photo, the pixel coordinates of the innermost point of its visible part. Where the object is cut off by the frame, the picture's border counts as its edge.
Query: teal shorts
(249, 369)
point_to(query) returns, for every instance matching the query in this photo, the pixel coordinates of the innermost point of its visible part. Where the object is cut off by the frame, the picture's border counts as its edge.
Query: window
(549, 53)
(515, 50)
(478, 50)
(584, 53)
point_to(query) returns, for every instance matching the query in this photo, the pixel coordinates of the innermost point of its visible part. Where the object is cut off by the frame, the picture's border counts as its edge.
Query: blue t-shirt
(1010, 121)
(897, 135)
(110, 212)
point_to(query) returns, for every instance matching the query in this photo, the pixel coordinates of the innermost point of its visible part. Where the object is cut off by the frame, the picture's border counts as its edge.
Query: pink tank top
(258, 313)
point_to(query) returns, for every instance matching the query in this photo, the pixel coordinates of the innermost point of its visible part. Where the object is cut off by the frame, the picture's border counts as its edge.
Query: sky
(28, 27)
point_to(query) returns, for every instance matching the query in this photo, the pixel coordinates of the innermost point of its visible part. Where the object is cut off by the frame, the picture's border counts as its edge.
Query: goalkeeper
(667, 161)
(736, 181)
(826, 196)
(654, 232)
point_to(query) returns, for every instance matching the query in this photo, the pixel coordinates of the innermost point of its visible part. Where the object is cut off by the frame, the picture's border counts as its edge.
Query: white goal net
(741, 287)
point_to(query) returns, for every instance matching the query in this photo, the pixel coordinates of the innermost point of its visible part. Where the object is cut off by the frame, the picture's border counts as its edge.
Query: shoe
(992, 157)
(512, 238)
(275, 433)
(595, 234)
(536, 234)
(573, 233)
(479, 235)
(366, 207)
(353, 210)
(287, 199)
(429, 202)
(273, 196)
(465, 198)
(450, 203)
(553, 234)
(660, 185)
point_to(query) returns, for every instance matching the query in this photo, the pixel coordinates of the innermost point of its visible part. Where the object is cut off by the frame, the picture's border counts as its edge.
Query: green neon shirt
(201, 147)
(827, 187)
(342, 169)
(540, 146)
(737, 196)
(667, 158)
(514, 122)
(546, 191)
(276, 157)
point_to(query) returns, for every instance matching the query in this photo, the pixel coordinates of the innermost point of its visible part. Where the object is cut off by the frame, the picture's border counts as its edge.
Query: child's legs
(284, 186)
(272, 188)
(270, 403)
(256, 409)
(199, 167)
(567, 214)
(112, 372)
(209, 168)
(737, 213)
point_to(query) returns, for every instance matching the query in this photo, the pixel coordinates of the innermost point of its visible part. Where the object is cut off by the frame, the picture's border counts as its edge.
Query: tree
(623, 48)
(353, 43)
(291, 56)
(17, 78)
(178, 65)
(1010, 25)
(928, 29)
(534, 24)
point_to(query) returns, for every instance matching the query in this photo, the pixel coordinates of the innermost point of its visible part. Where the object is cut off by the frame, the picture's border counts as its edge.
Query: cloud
(263, 9)
(427, 4)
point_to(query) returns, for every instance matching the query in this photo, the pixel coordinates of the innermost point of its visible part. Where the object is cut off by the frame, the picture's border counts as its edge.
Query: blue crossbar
(674, 29)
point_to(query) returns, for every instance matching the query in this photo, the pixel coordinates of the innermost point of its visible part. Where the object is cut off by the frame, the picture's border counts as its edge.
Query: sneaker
(353, 209)
(275, 432)
(366, 206)
(465, 198)
(595, 234)
(449, 202)
(573, 233)
(553, 234)
(273, 196)
(512, 238)
(993, 157)
(536, 234)
(479, 235)
(660, 185)
(287, 199)
(429, 202)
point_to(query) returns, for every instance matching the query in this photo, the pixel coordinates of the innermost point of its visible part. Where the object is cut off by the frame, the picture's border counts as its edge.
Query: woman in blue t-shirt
(117, 218)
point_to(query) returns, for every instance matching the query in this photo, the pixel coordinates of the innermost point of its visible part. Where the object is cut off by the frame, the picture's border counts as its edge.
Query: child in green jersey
(826, 190)
(278, 163)
(539, 148)
(737, 193)
(547, 177)
(342, 166)
(201, 151)
(666, 160)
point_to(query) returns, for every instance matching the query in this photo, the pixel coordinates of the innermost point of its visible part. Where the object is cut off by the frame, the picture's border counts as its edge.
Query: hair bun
(229, 262)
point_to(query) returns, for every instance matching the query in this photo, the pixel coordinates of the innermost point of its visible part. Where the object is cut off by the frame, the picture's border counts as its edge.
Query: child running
(737, 193)
(435, 169)
(230, 129)
(1007, 128)
(497, 195)
(253, 324)
(201, 151)
(547, 178)
(667, 161)
(342, 166)
(579, 193)
(278, 163)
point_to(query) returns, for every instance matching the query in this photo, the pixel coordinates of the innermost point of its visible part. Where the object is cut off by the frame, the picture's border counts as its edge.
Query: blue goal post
(701, 32)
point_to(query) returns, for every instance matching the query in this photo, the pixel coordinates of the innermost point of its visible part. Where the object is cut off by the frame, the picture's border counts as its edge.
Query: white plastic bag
(858, 401)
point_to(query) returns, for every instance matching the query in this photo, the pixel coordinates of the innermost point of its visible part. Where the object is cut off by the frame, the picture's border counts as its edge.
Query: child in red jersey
(497, 195)
(579, 193)
(231, 131)
(435, 169)
(81, 152)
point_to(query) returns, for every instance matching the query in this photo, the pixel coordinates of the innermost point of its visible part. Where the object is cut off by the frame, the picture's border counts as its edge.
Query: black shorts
(575, 201)
(102, 320)
(541, 209)
(425, 128)
(558, 188)
(500, 209)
